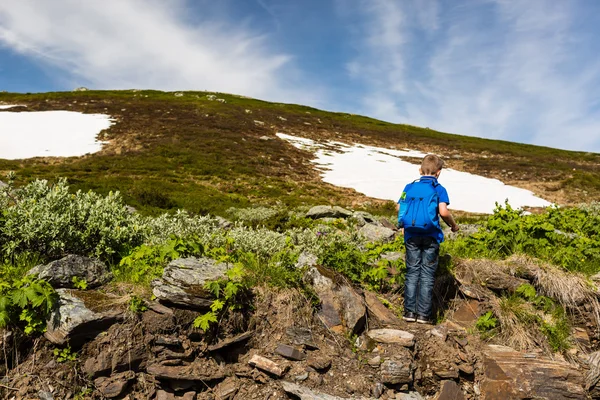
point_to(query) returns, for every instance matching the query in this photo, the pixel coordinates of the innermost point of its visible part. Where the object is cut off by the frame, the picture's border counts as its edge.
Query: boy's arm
(447, 217)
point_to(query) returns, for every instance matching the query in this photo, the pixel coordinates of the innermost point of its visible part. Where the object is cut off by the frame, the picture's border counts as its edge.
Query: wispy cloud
(148, 44)
(516, 70)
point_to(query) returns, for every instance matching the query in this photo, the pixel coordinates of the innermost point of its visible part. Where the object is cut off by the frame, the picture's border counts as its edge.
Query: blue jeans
(421, 264)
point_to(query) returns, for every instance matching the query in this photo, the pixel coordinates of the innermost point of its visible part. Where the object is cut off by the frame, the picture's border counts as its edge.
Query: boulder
(74, 323)
(392, 336)
(318, 212)
(60, 273)
(183, 281)
(509, 374)
(374, 233)
(398, 369)
(341, 307)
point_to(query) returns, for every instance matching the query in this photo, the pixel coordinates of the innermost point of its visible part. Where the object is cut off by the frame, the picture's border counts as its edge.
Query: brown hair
(431, 164)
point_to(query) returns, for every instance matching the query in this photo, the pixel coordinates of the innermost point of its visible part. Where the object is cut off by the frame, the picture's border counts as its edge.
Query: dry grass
(277, 310)
(572, 290)
(516, 331)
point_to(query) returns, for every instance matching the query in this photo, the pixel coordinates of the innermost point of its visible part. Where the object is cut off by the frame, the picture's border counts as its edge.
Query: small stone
(440, 331)
(267, 365)
(302, 377)
(375, 361)
(377, 390)
(319, 363)
(290, 352)
(466, 369)
(463, 342)
(450, 372)
(227, 389)
(390, 336)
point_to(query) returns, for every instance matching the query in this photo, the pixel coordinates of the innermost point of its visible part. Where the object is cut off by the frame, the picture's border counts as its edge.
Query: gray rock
(3, 185)
(374, 233)
(365, 216)
(43, 395)
(81, 89)
(306, 260)
(392, 256)
(410, 396)
(223, 223)
(183, 281)
(75, 323)
(304, 393)
(60, 273)
(131, 209)
(328, 212)
(398, 369)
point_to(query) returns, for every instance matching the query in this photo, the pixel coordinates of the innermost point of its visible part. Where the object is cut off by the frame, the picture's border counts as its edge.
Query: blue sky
(520, 70)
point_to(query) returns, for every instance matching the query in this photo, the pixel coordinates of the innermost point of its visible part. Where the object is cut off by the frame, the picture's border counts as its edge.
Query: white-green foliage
(255, 214)
(182, 224)
(48, 219)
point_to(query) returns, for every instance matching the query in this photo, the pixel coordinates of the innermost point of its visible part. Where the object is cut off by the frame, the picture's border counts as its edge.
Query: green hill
(207, 152)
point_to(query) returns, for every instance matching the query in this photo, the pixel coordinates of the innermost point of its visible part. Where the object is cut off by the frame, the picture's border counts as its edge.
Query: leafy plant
(79, 283)
(26, 302)
(486, 322)
(65, 354)
(137, 305)
(227, 296)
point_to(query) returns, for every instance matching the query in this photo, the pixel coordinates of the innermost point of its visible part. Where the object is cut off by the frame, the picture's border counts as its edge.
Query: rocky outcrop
(60, 273)
(341, 307)
(304, 393)
(509, 374)
(74, 323)
(183, 281)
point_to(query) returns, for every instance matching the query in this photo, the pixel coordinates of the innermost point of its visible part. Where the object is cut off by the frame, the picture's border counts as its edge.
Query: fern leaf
(203, 321)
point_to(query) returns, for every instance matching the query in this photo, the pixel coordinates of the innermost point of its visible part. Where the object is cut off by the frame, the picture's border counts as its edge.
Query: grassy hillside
(193, 151)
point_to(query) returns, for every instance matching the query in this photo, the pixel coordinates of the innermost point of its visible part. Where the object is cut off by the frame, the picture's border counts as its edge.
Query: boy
(420, 206)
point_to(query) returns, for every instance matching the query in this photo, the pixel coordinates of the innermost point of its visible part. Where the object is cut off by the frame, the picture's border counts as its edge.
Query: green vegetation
(565, 236)
(65, 354)
(137, 305)
(486, 322)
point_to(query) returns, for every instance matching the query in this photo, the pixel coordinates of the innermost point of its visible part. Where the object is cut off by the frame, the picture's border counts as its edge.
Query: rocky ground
(284, 346)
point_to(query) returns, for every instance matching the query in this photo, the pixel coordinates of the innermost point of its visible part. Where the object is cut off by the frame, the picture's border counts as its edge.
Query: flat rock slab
(72, 322)
(379, 311)
(267, 365)
(304, 393)
(450, 391)
(60, 273)
(290, 352)
(509, 374)
(184, 373)
(115, 385)
(395, 336)
(231, 341)
(183, 281)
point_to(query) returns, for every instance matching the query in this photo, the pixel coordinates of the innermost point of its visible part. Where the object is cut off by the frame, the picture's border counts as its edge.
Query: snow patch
(5, 107)
(50, 133)
(382, 173)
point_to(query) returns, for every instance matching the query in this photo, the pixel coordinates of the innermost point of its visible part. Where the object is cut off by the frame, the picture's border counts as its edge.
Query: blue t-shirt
(443, 198)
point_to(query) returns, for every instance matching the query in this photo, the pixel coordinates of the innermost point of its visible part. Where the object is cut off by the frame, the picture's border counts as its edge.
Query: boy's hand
(455, 228)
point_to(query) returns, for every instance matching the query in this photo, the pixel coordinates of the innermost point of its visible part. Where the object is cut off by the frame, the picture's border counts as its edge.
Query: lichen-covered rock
(318, 212)
(374, 233)
(60, 273)
(74, 323)
(183, 281)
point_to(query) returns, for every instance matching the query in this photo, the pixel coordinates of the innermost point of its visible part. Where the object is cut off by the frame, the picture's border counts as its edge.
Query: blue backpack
(418, 211)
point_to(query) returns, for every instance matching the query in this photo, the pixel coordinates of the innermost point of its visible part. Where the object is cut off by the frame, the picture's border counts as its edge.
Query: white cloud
(515, 70)
(147, 44)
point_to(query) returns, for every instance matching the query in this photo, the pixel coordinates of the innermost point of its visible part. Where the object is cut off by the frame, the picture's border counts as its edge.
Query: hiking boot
(424, 320)
(409, 317)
